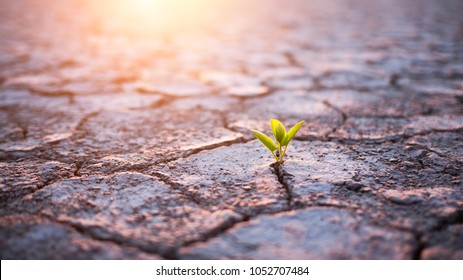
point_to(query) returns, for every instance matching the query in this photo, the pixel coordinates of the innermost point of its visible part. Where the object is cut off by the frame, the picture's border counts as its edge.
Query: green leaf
(279, 130)
(267, 141)
(291, 133)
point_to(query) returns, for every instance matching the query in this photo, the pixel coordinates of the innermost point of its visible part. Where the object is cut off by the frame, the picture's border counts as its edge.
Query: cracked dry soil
(130, 139)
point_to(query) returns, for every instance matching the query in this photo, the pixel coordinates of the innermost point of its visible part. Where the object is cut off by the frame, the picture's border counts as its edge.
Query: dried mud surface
(134, 143)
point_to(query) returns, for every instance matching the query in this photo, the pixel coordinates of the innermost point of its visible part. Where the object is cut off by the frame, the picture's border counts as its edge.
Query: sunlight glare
(155, 15)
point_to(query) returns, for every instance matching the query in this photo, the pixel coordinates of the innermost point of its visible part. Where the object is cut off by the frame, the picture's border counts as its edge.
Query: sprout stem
(284, 152)
(275, 156)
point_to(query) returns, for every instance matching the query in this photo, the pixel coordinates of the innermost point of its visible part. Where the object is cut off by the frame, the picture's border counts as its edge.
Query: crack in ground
(15, 154)
(388, 139)
(141, 167)
(163, 101)
(47, 93)
(292, 60)
(420, 245)
(122, 242)
(166, 253)
(177, 186)
(78, 165)
(227, 227)
(454, 219)
(39, 186)
(43, 147)
(339, 111)
(395, 117)
(189, 153)
(418, 250)
(284, 178)
(426, 132)
(227, 143)
(83, 121)
(23, 129)
(216, 232)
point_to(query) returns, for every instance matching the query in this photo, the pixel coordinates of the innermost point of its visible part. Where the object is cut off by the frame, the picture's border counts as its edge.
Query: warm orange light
(156, 15)
(143, 5)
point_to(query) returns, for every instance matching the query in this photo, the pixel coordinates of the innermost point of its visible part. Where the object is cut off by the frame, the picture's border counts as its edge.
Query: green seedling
(282, 138)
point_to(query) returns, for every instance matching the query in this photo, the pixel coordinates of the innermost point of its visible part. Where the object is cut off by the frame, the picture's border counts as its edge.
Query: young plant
(282, 138)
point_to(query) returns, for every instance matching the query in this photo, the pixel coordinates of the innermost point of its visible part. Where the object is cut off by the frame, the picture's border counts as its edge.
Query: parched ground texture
(126, 136)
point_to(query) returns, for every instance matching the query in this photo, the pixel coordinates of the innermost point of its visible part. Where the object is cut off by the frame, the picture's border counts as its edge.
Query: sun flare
(149, 15)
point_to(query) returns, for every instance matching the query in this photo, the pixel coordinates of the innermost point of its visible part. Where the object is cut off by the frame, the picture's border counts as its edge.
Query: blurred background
(115, 45)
